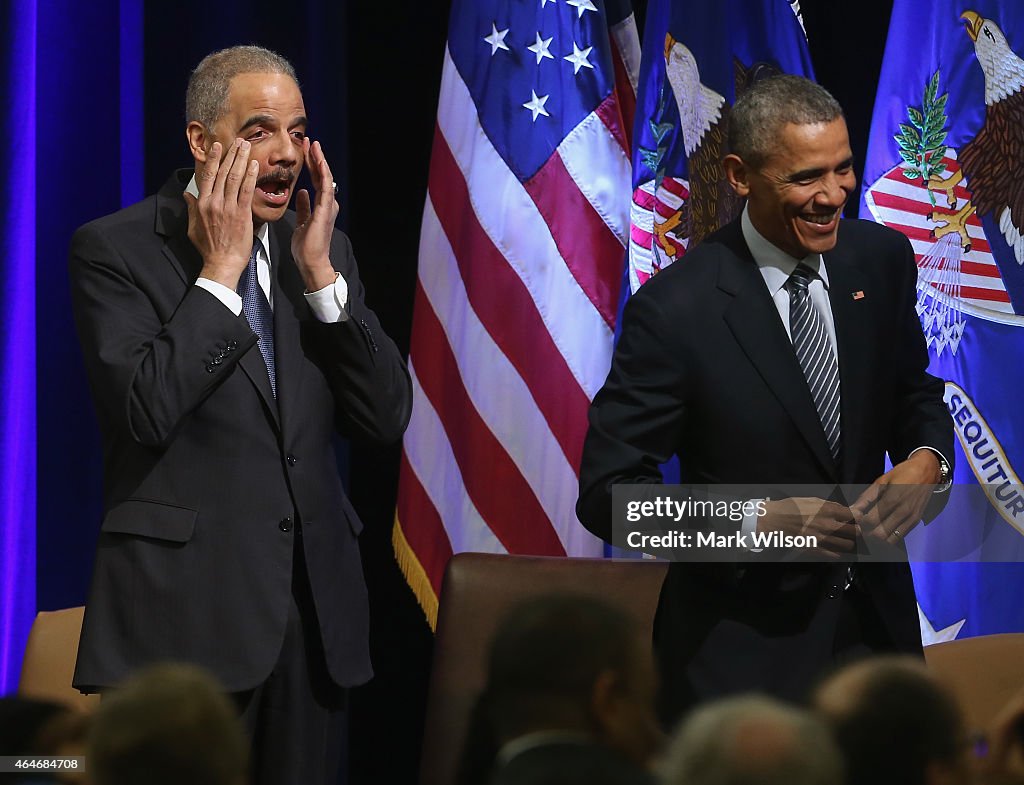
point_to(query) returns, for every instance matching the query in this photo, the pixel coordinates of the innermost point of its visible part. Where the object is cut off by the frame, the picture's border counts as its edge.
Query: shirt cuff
(949, 482)
(749, 525)
(227, 296)
(328, 304)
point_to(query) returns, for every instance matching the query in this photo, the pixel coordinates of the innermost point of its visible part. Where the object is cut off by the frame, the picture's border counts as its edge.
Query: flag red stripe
(675, 187)
(981, 269)
(422, 526)
(974, 293)
(893, 202)
(592, 253)
(497, 488)
(610, 113)
(640, 237)
(665, 210)
(922, 234)
(643, 199)
(505, 307)
(625, 101)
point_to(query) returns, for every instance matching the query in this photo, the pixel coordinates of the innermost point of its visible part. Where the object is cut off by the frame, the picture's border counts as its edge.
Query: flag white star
(930, 635)
(544, 3)
(578, 58)
(540, 48)
(496, 39)
(582, 5)
(536, 105)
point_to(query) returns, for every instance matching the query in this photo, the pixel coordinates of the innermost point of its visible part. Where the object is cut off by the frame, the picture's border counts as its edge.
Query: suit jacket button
(210, 367)
(292, 460)
(285, 525)
(232, 345)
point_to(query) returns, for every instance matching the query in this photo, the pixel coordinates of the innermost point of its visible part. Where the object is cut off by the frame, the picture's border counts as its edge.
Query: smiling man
(784, 350)
(226, 341)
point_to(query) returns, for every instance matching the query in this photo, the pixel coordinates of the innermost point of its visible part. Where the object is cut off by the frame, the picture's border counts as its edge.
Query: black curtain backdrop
(370, 74)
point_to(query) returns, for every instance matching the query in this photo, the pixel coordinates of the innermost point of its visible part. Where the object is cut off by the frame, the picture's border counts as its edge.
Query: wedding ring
(896, 532)
(335, 187)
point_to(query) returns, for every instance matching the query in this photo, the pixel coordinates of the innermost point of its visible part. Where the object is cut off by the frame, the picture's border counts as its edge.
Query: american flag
(521, 260)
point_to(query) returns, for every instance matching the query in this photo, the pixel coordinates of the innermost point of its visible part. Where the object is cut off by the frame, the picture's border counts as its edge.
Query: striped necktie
(258, 313)
(815, 355)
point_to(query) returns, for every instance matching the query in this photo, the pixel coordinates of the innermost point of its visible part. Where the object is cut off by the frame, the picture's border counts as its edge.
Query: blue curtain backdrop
(17, 348)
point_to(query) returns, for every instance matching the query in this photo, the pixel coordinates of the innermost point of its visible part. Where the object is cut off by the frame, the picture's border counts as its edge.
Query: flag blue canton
(489, 43)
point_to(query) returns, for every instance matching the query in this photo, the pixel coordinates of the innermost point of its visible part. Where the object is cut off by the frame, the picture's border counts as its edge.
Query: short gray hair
(752, 740)
(206, 99)
(761, 112)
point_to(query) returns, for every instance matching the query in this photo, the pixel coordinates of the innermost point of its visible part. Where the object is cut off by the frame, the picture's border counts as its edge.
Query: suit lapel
(755, 323)
(172, 224)
(844, 280)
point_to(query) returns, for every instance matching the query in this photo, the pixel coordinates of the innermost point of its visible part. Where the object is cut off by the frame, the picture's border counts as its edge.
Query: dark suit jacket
(206, 475)
(568, 763)
(705, 369)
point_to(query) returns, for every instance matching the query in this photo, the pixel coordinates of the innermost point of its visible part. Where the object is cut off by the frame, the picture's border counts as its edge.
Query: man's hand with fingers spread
(220, 220)
(311, 242)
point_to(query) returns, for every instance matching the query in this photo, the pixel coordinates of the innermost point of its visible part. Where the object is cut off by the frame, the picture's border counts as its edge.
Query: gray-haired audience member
(752, 740)
(895, 724)
(569, 698)
(168, 725)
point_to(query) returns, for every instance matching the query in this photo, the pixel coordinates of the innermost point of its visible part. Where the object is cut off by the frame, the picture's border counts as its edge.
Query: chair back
(983, 673)
(478, 589)
(49, 662)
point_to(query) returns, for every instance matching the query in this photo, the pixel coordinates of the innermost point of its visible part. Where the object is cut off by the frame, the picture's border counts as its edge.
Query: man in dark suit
(784, 350)
(226, 339)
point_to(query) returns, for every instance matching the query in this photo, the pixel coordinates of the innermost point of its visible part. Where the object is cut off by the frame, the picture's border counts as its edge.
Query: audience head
(895, 724)
(752, 740)
(168, 725)
(572, 663)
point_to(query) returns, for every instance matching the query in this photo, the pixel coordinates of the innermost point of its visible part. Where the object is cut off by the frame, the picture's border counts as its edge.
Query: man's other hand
(893, 504)
(311, 242)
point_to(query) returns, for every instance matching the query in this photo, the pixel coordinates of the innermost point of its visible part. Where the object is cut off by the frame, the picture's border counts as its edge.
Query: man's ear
(604, 697)
(199, 140)
(737, 174)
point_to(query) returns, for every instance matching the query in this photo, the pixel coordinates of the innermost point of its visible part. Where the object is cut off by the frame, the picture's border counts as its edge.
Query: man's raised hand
(220, 220)
(311, 241)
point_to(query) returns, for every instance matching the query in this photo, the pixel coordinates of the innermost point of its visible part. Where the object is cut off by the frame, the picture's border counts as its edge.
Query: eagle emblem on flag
(963, 209)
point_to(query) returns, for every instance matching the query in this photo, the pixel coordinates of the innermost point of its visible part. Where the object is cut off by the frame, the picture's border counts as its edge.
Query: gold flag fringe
(414, 574)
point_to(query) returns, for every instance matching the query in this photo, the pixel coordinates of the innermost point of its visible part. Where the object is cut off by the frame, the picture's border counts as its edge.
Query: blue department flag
(697, 58)
(945, 166)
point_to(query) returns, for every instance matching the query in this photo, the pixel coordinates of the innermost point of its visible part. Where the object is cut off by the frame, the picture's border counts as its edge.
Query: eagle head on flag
(695, 64)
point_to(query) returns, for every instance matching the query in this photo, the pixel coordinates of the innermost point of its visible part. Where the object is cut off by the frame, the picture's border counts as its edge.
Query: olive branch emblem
(922, 141)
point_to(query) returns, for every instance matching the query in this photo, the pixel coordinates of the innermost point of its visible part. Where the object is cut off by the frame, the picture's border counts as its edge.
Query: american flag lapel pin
(858, 295)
